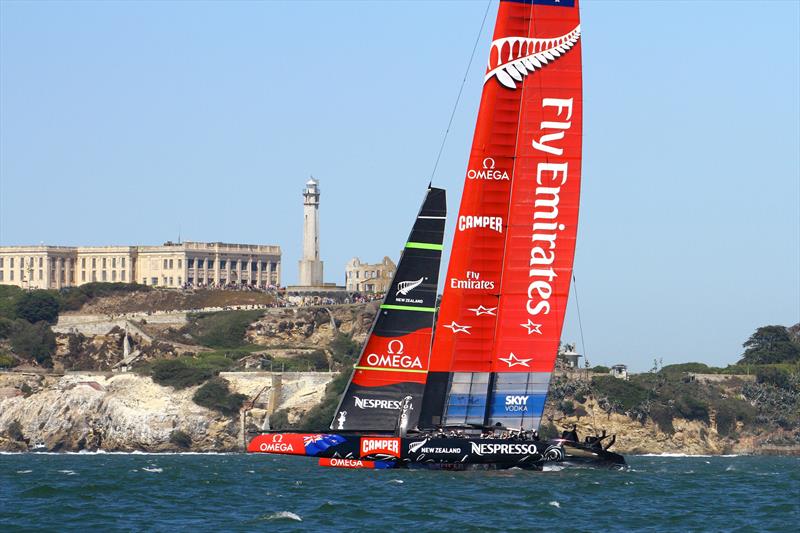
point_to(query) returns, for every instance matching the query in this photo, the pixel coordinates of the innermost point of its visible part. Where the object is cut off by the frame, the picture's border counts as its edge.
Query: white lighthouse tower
(310, 264)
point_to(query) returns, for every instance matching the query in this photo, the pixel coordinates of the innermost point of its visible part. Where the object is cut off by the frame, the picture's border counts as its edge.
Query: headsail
(507, 282)
(393, 364)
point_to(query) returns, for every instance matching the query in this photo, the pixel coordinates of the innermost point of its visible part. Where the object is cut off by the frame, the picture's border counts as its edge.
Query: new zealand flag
(316, 444)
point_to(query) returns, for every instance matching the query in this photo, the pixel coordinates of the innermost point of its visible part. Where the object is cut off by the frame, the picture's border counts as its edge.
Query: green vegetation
(224, 329)
(181, 439)
(73, 298)
(279, 420)
(37, 306)
(8, 301)
(186, 371)
(6, 361)
(33, 341)
(215, 394)
(770, 344)
(315, 361)
(600, 369)
(14, 431)
(622, 395)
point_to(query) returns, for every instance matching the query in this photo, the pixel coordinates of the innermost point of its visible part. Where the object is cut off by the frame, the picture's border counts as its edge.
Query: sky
(142, 122)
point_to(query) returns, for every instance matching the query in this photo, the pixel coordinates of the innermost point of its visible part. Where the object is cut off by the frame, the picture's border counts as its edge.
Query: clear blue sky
(129, 122)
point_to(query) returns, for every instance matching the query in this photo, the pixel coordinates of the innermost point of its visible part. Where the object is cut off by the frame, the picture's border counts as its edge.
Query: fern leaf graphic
(519, 56)
(404, 287)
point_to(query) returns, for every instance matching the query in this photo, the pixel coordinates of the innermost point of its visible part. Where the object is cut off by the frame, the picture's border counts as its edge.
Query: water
(136, 492)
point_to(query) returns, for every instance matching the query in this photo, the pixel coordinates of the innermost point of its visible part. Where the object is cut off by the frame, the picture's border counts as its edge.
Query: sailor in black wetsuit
(571, 435)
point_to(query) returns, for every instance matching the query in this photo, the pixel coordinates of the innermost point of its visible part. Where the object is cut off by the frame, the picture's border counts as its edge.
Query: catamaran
(463, 385)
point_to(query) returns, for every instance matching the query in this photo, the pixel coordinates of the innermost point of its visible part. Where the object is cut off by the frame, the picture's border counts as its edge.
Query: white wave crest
(152, 469)
(284, 515)
(24, 471)
(554, 504)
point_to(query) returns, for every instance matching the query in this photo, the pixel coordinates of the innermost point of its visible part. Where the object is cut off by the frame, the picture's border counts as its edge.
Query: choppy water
(109, 492)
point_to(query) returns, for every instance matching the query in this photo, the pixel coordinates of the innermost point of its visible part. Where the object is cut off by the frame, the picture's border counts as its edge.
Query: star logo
(532, 328)
(512, 361)
(457, 328)
(481, 310)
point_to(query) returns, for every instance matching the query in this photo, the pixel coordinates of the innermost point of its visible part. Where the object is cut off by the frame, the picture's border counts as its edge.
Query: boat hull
(359, 450)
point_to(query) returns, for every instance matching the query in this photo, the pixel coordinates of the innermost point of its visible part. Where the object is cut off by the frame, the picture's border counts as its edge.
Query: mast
(389, 377)
(507, 283)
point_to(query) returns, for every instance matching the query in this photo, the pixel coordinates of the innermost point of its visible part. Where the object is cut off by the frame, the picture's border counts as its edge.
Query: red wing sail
(393, 365)
(503, 306)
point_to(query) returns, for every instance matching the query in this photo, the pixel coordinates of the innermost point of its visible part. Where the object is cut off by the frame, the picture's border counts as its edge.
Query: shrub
(345, 350)
(691, 408)
(186, 371)
(729, 411)
(6, 327)
(567, 407)
(6, 361)
(181, 439)
(600, 369)
(33, 341)
(8, 299)
(549, 431)
(225, 329)
(624, 395)
(178, 373)
(216, 395)
(580, 411)
(37, 306)
(662, 416)
(774, 376)
(697, 368)
(14, 431)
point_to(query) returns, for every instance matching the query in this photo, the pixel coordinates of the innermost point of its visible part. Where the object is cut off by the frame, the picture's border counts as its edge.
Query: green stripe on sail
(424, 246)
(409, 308)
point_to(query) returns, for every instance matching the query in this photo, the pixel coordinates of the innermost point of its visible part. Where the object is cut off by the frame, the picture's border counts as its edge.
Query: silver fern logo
(519, 56)
(404, 287)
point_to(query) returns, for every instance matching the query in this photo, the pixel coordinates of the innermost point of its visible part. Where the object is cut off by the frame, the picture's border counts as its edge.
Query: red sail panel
(465, 328)
(544, 65)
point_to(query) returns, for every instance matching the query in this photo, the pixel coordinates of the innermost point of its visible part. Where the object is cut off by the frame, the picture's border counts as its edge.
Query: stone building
(170, 265)
(370, 278)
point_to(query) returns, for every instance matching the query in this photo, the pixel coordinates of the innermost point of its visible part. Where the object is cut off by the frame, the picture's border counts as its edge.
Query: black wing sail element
(393, 366)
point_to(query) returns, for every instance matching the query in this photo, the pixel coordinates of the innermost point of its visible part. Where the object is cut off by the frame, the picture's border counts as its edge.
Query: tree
(37, 306)
(769, 345)
(34, 341)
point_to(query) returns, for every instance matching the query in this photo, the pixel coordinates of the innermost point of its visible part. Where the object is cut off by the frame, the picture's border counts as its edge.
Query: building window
(83, 275)
(11, 275)
(113, 275)
(170, 280)
(104, 262)
(170, 264)
(122, 262)
(122, 275)
(165, 264)
(210, 263)
(113, 262)
(153, 281)
(180, 263)
(41, 274)
(1, 262)
(11, 264)
(223, 264)
(94, 262)
(41, 262)
(83, 262)
(94, 275)
(104, 275)
(179, 280)
(1, 275)
(144, 281)
(190, 263)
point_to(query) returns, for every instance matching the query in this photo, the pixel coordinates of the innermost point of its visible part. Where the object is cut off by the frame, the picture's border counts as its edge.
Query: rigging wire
(580, 323)
(461, 90)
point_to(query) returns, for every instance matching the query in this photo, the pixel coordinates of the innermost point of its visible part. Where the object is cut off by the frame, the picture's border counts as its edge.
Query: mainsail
(393, 365)
(503, 306)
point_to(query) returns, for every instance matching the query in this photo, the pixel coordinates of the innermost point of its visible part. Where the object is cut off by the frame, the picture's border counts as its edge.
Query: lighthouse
(310, 264)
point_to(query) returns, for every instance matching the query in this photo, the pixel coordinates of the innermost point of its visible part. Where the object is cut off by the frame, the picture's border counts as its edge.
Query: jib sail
(503, 306)
(393, 365)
